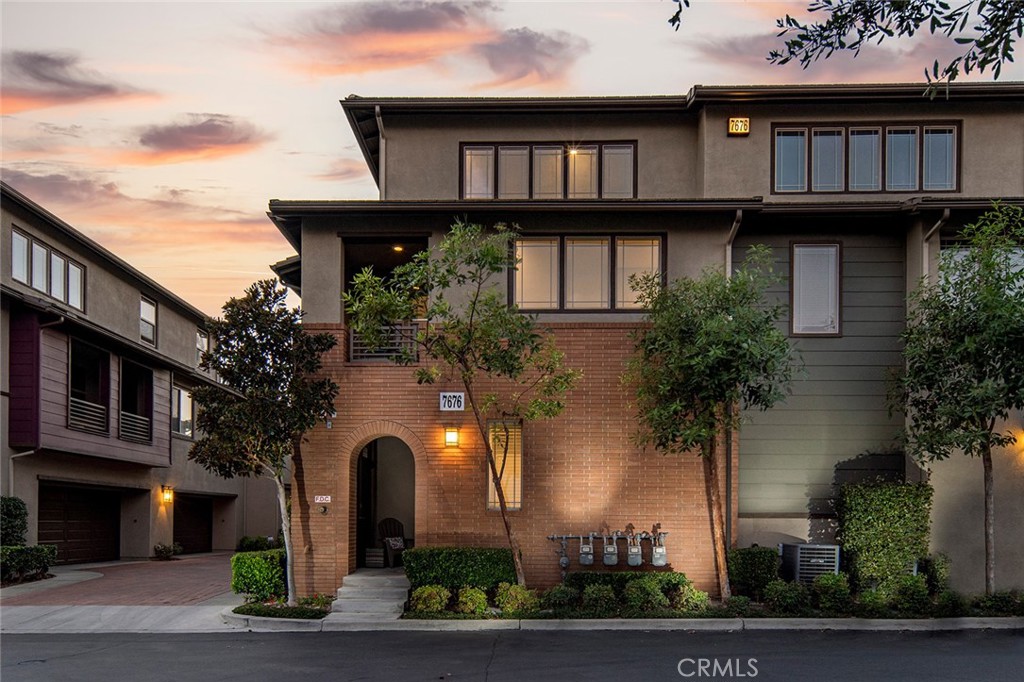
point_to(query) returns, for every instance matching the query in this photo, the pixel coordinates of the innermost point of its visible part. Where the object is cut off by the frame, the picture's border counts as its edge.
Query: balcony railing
(135, 428)
(86, 416)
(398, 340)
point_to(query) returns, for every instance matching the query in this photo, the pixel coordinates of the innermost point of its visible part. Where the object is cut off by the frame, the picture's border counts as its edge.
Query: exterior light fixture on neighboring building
(398, 248)
(451, 436)
(739, 127)
(167, 494)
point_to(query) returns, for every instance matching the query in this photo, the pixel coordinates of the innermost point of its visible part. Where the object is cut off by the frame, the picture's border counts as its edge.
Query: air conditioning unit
(804, 562)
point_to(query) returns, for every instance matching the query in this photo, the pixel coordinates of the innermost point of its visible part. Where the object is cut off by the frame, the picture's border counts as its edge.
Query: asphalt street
(635, 656)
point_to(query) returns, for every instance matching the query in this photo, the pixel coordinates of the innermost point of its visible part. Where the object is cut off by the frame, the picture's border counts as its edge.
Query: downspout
(925, 256)
(382, 154)
(728, 408)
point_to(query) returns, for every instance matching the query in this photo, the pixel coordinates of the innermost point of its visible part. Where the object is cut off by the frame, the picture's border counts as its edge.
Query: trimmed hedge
(13, 521)
(256, 543)
(751, 569)
(667, 581)
(883, 529)
(18, 563)
(457, 567)
(259, 575)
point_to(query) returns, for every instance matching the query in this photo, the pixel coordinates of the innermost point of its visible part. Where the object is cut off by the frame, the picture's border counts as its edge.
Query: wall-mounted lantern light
(739, 126)
(451, 436)
(167, 494)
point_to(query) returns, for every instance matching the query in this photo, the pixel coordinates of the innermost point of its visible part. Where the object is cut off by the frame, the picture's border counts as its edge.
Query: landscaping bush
(166, 552)
(883, 528)
(429, 599)
(280, 611)
(318, 601)
(1000, 604)
(458, 567)
(644, 595)
(257, 543)
(786, 599)
(560, 597)
(751, 569)
(738, 606)
(13, 521)
(935, 568)
(259, 575)
(950, 604)
(690, 599)
(831, 593)
(600, 600)
(908, 595)
(18, 564)
(515, 599)
(872, 603)
(667, 580)
(471, 600)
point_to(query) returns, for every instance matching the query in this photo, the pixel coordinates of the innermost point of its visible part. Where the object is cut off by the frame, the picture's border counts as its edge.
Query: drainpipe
(728, 242)
(728, 408)
(925, 259)
(382, 154)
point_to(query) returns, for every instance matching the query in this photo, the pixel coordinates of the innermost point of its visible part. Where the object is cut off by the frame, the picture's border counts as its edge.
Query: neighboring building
(98, 363)
(855, 187)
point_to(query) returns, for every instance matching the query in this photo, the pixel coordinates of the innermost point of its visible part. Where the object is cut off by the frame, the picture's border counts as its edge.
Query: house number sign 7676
(453, 402)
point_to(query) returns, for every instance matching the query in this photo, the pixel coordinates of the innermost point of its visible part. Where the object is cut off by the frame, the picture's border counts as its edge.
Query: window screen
(514, 173)
(790, 161)
(939, 160)
(478, 173)
(815, 288)
(547, 173)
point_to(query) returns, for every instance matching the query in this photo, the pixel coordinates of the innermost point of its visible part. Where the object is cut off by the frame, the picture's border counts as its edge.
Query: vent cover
(804, 562)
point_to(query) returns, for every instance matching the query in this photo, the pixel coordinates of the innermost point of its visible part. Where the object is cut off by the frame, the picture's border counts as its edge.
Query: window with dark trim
(182, 411)
(136, 419)
(202, 344)
(147, 320)
(88, 387)
(903, 157)
(507, 446)
(519, 171)
(582, 272)
(815, 288)
(47, 271)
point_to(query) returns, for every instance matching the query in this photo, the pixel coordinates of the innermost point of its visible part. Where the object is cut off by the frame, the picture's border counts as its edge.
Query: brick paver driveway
(188, 580)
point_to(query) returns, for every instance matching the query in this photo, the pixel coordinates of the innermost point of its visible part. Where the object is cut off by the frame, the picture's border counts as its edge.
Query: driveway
(189, 580)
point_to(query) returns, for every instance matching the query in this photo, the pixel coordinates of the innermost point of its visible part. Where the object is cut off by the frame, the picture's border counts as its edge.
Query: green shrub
(950, 604)
(644, 595)
(318, 601)
(908, 595)
(515, 599)
(872, 603)
(786, 599)
(738, 606)
(617, 580)
(429, 599)
(166, 552)
(1000, 604)
(690, 599)
(257, 543)
(13, 521)
(883, 529)
(280, 611)
(935, 568)
(18, 564)
(751, 569)
(259, 575)
(600, 600)
(458, 567)
(831, 593)
(471, 600)
(560, 597)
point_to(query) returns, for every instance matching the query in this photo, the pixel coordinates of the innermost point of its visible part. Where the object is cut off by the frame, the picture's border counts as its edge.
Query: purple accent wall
(24, 377)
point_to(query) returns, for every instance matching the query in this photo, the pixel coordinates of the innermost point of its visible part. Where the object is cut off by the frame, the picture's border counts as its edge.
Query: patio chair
(392, 537)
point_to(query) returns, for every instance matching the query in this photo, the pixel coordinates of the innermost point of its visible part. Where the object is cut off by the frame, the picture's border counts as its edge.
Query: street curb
(885, 625)
(692, 624)
(421, 625)
(261, 624)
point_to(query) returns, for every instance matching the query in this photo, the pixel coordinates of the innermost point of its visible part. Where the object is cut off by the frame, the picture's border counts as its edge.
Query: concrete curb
(691, 624)
(885, 625)
(261, 624)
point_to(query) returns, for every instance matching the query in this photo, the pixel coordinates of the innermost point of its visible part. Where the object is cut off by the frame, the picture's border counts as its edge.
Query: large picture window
(548, 171)
(815, 289)
(507, 446)
(47, 271)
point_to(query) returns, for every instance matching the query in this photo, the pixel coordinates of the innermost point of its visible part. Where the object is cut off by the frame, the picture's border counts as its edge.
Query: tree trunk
(990, 546)
(717, 519)
(513, 541)
(286, 529)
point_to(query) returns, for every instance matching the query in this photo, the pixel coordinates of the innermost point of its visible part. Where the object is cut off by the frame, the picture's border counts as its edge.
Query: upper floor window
(582, 272)
(47, 271)
(136, 419)
(865, 158)
(88, 387)
(815, 289)
(181, 412)
(202, 344)
(518, 171)
(147, 320)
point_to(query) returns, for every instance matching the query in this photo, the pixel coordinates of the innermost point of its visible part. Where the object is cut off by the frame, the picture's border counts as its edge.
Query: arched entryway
(385, 489)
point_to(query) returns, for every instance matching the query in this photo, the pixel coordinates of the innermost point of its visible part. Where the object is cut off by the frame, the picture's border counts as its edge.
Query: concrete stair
(371, 594)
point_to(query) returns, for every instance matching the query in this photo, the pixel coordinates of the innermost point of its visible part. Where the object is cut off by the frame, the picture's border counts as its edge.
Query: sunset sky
(161, 130)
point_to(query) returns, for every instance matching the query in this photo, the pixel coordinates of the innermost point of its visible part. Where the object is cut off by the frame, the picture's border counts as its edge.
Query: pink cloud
(198, 137)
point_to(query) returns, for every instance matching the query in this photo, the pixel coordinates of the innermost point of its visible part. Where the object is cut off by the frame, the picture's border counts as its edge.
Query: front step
(373, 594)
(369, 606)
(358, 592)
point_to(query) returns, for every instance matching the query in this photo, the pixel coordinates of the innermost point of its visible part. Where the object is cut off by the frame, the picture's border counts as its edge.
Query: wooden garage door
(84, 523)
(193, 523)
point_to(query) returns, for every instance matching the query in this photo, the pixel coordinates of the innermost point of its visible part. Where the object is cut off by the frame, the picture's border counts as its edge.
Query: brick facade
(581, 470)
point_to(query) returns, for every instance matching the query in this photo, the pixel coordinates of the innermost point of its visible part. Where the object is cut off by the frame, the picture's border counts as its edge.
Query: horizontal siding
(792, 455)
(53, 411)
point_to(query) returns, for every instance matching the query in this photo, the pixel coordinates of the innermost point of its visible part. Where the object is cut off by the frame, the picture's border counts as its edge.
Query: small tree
(471, 334)
(711, 344)
(963, 370)
(268, 364)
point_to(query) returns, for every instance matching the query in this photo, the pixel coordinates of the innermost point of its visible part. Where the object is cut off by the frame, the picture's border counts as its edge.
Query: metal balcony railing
(86, 416)
(397, 341)
(134, 428)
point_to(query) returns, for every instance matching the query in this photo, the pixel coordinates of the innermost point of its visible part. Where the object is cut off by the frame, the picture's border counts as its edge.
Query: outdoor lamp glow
(451, 436)
(167, 493)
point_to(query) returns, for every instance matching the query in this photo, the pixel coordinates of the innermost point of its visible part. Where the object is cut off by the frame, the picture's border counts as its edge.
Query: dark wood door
(193, 523)
(84, 523)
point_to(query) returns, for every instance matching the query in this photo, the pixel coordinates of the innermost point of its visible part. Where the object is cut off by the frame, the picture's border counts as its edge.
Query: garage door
(84, 523)
(193, 523)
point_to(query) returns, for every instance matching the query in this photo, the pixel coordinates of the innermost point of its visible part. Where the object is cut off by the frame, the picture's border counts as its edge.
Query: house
(855, 188)
(98, 364)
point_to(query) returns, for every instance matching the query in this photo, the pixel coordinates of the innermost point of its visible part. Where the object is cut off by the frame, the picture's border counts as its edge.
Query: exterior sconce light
(739, 127)
(398, 248)
(167, 494)
(451, 436)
